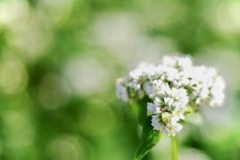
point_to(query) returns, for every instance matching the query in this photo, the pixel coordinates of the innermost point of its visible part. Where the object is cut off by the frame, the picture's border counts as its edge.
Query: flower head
(170, 87)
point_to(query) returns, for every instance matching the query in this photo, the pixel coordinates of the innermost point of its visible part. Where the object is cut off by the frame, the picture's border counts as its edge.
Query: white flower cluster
(170, 87)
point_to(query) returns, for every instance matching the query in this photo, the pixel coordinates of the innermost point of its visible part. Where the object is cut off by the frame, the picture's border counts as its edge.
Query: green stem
(174, 148)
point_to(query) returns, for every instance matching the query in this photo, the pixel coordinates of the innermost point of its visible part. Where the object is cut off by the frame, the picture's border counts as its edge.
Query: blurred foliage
(59, 60)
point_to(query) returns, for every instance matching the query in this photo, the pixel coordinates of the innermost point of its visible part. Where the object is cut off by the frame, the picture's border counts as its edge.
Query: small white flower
(168, 102)
(178, 114)
(172, 128)
(184, 77)
(150, 89)
(155, 107)
(157, 83)
(135, 85)
(121, 90)
(171, 74)
(150, 108)
(219, 83)
(204, 93)
(217, 92)
(177, 62)
(164, 89)
(156, 123)
(169, 61)
(184, 62)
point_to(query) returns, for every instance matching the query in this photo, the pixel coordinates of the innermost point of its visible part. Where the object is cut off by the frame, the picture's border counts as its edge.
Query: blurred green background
(59, 60)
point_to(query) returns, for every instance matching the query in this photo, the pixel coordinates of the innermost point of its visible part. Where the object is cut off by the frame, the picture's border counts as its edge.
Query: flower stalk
(174, 147)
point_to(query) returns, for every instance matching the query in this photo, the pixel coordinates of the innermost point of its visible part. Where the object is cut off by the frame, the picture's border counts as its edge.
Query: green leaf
(148, 139)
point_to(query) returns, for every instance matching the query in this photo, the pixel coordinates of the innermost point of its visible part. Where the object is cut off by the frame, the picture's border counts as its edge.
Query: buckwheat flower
(121, 90)
(177, 62)
(150, 89)
(138, 72)
(164, 89)
(166, 123)
(184, 77)
(151, 108)
(201, 93)
(135, 85)
(217, 100)
(156, 73)
(172, 128)
(180, 94)
(174, 97)
(171, 74)
(155, 107)
(170, 87)
(168, 101)
(156, 123)
(139, 75)
(142, 71)
(184, 62)
(157, 83)
(217, 92)
(212, 75)
(169, 61)
(199, 77)
(178, 114)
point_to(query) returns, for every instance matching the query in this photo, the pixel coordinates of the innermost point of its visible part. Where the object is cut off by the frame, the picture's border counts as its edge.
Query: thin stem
(174, 148)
